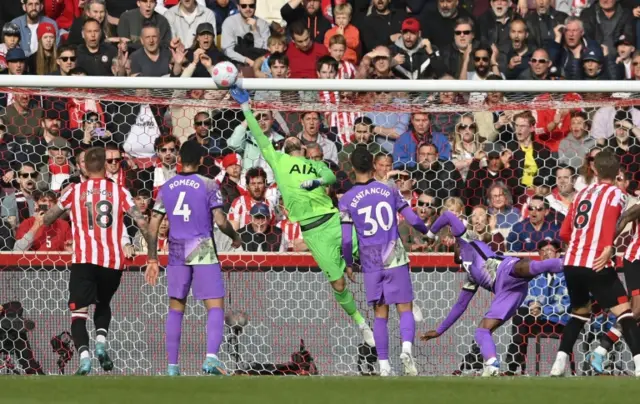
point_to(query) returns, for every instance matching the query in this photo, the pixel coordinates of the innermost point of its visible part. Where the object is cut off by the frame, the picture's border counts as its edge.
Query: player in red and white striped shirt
(97, 208)
(590, 230)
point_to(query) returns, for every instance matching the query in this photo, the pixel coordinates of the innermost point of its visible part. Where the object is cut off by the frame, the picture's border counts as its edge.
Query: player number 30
(381, 220)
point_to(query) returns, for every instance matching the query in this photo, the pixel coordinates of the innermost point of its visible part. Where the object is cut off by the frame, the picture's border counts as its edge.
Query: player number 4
(379, 221)
(181, 208)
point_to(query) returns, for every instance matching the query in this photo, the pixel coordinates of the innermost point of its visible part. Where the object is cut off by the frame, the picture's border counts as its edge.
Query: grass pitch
(312, 390)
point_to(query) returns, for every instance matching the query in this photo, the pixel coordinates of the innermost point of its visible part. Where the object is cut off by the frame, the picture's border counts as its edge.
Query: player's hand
(350, 274)
(603, 260)
(151, 274)
(239, 94)
(237, 242)
(310, 185)
(429, 335)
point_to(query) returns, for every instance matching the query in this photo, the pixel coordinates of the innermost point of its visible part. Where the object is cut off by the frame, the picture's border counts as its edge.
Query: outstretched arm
(267, 149)
(630, 215)
(414, 220)
(448, 219)
(457, 310)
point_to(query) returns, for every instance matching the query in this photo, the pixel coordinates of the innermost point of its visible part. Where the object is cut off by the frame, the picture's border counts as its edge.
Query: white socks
(101, 339)
(85, 355)
(407, 347)
(600, 350)
(384, 364)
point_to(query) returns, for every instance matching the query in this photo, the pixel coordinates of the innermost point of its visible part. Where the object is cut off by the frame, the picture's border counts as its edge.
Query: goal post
(274, 300)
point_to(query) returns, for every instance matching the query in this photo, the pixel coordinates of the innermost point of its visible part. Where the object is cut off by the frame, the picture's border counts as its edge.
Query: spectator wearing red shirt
(67, 11)
(553, 125)
(304, 53)
(34, 235)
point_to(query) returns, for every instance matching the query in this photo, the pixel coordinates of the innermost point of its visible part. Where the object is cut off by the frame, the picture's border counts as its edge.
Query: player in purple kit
(372, 207)
(507, 277)
(192, 203)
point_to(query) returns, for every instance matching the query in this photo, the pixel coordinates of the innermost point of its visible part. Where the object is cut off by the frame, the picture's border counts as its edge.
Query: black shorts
(90, 284)
(605, 287)
(631, 272)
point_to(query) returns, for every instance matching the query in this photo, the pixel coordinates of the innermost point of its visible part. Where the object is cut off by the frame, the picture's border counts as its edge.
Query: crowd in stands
(510, 173)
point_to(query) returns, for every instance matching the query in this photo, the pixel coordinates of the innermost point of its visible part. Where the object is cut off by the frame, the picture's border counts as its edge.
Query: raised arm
(448, 219)
(266, 148)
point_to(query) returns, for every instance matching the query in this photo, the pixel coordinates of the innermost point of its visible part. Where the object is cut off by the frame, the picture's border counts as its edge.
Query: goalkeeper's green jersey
(289, 172)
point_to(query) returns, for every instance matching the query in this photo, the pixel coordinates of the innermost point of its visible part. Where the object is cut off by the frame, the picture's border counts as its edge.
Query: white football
(225, 74)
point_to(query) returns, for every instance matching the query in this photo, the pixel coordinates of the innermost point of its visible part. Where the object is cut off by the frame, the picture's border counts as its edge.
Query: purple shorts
(509, 291)
(206, 280)
(389, 286)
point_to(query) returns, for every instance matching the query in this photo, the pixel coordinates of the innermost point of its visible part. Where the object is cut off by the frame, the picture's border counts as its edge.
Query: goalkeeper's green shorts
(325, 244)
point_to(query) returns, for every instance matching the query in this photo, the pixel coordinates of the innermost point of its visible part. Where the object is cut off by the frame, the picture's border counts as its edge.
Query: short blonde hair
(275, 39)
(343, 9)
(338, 40)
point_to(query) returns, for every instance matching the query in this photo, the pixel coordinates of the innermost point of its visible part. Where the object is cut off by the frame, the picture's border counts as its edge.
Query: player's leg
(108, 284)
(381, 337)
(178, 285)
(325, 244)
(83, 292)
(610, 293)
(577, 279)
(208, 286)
(526, 268)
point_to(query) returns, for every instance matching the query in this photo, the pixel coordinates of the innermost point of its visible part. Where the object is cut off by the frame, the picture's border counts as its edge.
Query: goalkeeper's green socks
(345, 298)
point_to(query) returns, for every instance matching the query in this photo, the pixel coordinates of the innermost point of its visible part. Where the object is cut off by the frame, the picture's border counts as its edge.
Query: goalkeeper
(301, 183)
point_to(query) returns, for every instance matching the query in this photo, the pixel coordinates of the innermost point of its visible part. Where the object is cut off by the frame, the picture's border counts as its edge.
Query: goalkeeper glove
(310, 185)
(240, 95)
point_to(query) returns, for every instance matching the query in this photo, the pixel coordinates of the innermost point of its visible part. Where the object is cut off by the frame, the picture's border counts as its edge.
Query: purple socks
(486, 344)
(215, 329)
(173, 331)
(553, 265)
(407, 326)
(381, 336)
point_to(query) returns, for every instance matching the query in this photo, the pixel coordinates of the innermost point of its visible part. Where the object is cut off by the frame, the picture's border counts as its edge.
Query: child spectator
(342, 18)
(275, 44)
(337, 49)
(10, 40)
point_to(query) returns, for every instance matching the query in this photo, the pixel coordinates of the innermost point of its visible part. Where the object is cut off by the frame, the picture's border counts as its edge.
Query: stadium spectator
(381, 25)
(483, 227)
(484, 173)
(388, 126)
(515, 60)
(90, 133)
(466, 145)
(441, 26)
(566, 49)
(117, 169)
(540, 67)
(586, 173)
(303, 53)
(115, 9)
(544, 312)
(402, 181)
(97, 10)
(436, 174)
(203, 54)
(405, 148)
(542, 22)
(501, 207)
(152, 60)
(56, 168)
(16, 63)
(43, 60)
(229, 180)
(142, 199)
(28, 24)
(598, 64)
(185, 18)
(626, 144)
(426, 208)
(242, 142)
(463, 42)
(244, 36)
(606, 20)
(310, 13)
(291, 233)
(20, 205)
(23, 116)
(166, 148)
(603, 121)
(625, 50)
(10, 39)
(485, 63)
(526, 234)
(363, 137)
(95, 56)
(34, 235)
(259, 234)
(132, 22)
(574, 147)
(256, 184)
(311, 133)
(68, 11)
(382, 164)
(492, 123)
(562, 195)
(222, 9)
(79, 175)
(66, 60)
(342, 15)
(140, 244)
(530, 158)
(494, 25)
(275, 44)
(553, 125)
(413, 57)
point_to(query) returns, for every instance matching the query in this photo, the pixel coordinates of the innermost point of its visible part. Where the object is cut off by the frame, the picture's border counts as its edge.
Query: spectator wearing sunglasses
(539, 67)
(238, 26)
(19, 206)
(66, 60)
(526, 234)
(427, 209)
(453, 53)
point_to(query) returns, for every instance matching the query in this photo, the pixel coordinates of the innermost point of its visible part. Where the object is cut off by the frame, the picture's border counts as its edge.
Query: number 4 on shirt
(181, 208)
